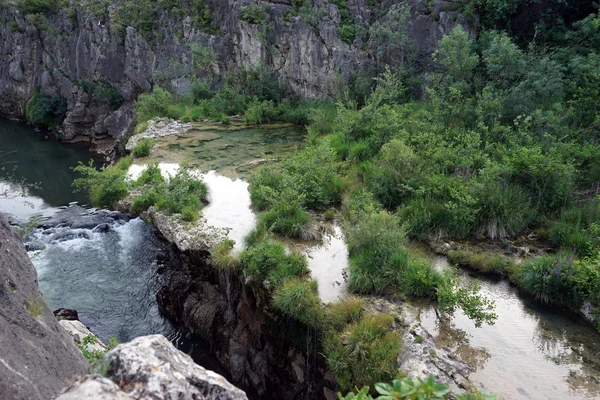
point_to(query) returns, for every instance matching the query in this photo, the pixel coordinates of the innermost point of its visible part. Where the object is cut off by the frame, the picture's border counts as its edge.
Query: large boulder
(37, 356)
(150, 367)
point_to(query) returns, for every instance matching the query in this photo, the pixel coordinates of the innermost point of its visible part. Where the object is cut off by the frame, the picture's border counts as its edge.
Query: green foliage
(183, 194)
(410, 389)
(102, 92)
(484, 262)
(222, 259)
(45, 110)
(268, 260)
(364, 352)
(299, 299)
(311, 173)
(503, 210)
(152, 175)
(377, 260)
(286, 217)
(344, 312)
(453, 294)
(39, 6)
(105, 188)
(253, 14)
(143, 148)
(549, 279)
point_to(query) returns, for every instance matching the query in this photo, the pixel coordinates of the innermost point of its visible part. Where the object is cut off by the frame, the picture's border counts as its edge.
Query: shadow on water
(533, 351)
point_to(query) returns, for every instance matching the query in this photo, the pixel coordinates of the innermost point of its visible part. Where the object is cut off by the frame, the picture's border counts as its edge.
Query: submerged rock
(150, 367)
(37, 356)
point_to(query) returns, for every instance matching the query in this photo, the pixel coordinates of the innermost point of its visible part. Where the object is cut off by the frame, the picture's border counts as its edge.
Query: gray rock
(37, 356)
(94, 387)
(150, 367)
(304, 52)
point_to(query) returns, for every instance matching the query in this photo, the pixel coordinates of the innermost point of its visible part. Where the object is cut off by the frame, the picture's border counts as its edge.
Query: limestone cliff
(37, 355)
(95, 67)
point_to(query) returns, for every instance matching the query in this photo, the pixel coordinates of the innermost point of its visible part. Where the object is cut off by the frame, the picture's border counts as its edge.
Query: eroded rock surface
(97, 71)
(37, 356)
(150, 367)
(159, 127)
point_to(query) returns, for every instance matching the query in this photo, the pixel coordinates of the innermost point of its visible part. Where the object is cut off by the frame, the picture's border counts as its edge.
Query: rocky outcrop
(157, 128)
(86, 59)
(37, 355)
(248, 341)
(150, 367)
(420, 357)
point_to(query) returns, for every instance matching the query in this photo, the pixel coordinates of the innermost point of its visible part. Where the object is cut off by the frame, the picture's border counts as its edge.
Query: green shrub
(268, 260)
(39, 6)
(365, 352)
(222, 259)
(45, 110)
(503, 210)
(549, 279)
(124, 163)
(287, 217)
(152, 175)
(145, 200)
(183, 194)
(259, 112)
(253, 14)
(143, 148)
(299, 299)
(420, 280)
(155, 104)
(377, 255)
(255, 236)
(484, 262)
(105, 187)
(344, 312)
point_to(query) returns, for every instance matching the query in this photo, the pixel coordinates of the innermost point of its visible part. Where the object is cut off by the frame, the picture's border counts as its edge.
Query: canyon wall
(93, 67)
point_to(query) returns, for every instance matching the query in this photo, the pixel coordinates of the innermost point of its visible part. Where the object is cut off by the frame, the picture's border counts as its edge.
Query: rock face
(150, 367)
(97, 69)
(248, 341)
(37, 356)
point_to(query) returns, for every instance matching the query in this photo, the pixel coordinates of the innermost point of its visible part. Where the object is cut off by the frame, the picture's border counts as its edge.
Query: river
(111, 275)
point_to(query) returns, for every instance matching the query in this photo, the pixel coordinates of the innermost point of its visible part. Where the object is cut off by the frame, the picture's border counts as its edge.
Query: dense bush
(286, 217)
(183, 194)
(268, 260)
(363, 352)
(45, 110)
(549, 279)
(143, 148)
(299, 299)
(105, 188)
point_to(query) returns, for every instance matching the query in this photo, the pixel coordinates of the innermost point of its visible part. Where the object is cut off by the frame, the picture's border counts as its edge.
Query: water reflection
(26, 155)
(531, 352)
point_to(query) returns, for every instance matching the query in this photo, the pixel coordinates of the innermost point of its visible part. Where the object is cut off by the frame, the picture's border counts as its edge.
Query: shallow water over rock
(531, 352)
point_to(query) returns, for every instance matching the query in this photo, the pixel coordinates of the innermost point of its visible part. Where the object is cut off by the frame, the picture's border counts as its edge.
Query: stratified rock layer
(37, 356)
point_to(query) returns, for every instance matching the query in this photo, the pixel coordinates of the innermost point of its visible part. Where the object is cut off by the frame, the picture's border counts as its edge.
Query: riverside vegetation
(500, 139)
